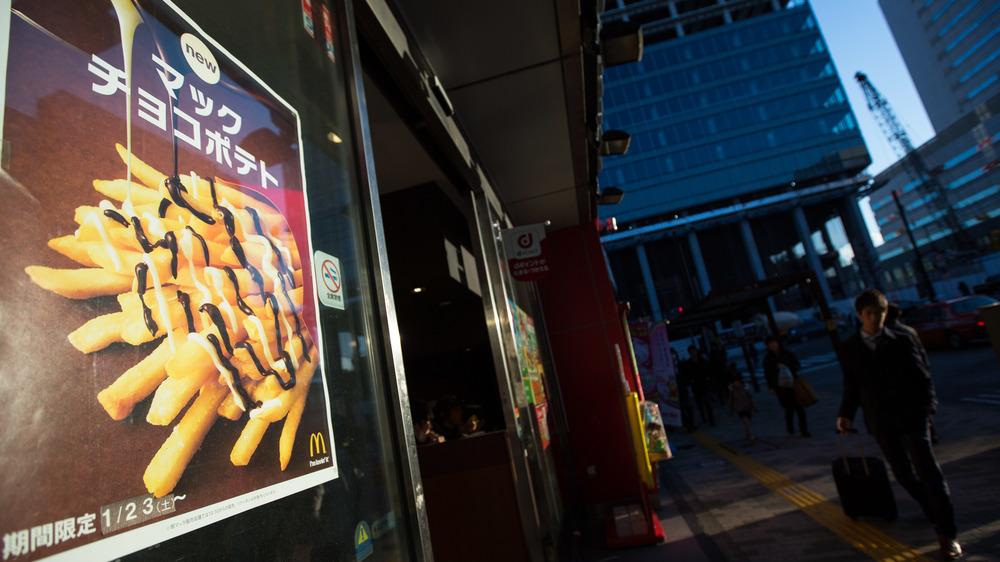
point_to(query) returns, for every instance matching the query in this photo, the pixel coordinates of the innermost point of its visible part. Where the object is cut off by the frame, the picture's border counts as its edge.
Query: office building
(952, 50)
(963, 158)
(743, 147)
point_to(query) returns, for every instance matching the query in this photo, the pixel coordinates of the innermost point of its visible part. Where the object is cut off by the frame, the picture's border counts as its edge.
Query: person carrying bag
(780, 366)
(804, 393)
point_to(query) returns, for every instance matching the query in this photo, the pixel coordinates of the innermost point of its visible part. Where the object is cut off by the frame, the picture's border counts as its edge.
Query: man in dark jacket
(696, 371)
(888, 378)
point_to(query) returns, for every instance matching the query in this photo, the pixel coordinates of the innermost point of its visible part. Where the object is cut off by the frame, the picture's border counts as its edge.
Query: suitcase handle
(843, 455)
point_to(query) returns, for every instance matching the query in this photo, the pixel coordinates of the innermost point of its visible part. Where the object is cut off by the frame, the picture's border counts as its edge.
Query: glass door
(521, 330)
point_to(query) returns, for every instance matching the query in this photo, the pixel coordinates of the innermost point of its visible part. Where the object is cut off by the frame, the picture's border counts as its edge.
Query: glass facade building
(964, 159)
(743, 148)
(726, 113)
(952, 50)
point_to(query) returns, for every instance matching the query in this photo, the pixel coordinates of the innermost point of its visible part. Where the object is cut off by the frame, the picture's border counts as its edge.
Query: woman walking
(780, 368)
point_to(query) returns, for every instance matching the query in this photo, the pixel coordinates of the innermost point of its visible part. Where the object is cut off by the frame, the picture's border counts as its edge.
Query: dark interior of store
(442, 323)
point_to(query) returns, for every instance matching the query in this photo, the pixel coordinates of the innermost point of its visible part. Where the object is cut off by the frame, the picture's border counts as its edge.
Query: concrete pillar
(864, 249)
(726, 16)
(699, 263)
(802, 226)
(647, 278)
(750, 243)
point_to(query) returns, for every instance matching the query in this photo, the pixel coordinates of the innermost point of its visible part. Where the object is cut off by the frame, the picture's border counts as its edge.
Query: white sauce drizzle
(228, 376)
(128, 20)
(186, 244)
(224, 306)
(236, 215)
(291, 336)
(267, 404)
(161, 300)
(154, 225)
(213, 276)
(128, 209)
(95, 219)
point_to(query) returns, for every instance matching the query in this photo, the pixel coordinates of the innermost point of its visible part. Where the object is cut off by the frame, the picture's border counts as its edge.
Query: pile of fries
(216, 274)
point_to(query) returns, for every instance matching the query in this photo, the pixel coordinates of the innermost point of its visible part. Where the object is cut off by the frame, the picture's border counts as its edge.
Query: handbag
(804, 393)
(785, 377)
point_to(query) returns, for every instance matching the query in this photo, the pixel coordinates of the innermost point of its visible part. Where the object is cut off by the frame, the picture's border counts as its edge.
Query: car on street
(811, 329)
(989, 286)
(952, 322)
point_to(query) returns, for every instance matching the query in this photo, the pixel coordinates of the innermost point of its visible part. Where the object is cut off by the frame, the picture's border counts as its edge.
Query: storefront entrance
(451, 326)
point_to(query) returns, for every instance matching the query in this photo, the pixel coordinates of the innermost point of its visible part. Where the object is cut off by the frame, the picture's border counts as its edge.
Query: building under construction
(963, 160)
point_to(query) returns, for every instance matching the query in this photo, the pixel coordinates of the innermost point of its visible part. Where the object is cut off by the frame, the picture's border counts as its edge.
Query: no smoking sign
(329, 282)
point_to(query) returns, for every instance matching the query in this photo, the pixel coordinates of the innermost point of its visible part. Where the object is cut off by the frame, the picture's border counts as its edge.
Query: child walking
(741, 402)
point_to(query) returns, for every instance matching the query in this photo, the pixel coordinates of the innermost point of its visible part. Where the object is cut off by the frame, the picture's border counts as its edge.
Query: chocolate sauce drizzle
(141, 269)
(285, 385)
(116, 216)
(185, 300)
(175, 188)
(204, 245)
(235, 374)
(161, 211)
(285, 279)
(239, 299)
(215, 314)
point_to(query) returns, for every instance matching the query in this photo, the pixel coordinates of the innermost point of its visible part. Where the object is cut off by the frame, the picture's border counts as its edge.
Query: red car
(953, 322)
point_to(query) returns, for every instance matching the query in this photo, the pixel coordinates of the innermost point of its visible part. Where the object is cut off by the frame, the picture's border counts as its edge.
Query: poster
(162, 359)
(651, 347)
(528, 356)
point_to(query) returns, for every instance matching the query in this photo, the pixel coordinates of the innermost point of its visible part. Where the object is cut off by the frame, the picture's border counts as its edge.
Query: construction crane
(928, 185)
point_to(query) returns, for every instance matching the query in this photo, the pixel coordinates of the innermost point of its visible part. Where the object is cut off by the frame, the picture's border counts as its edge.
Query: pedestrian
(684, 398)
(719, 373)
(887, 377)
(697, 372)
(781, 367)
(741, 402)
(751, 346)
(894, 320)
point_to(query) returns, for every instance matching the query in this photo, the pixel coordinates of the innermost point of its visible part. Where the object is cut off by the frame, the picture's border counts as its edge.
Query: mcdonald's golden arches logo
(317, 444)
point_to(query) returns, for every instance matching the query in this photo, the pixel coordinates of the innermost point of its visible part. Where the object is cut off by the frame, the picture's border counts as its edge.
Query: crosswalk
(993, 399)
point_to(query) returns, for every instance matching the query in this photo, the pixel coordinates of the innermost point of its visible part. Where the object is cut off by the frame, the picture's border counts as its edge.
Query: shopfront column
(699, 264)
(802, 226)
(647, 278)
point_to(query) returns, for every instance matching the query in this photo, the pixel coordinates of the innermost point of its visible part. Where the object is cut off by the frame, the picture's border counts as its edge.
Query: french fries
(176, 452)
(215, 275)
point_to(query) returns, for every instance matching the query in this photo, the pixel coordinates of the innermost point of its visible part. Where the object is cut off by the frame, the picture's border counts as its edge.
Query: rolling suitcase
(863, 485)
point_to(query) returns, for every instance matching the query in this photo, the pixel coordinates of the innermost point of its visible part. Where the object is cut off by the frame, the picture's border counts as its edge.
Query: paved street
(724, 499)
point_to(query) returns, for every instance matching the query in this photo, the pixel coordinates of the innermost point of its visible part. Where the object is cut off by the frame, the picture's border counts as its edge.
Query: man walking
(696, 370)
(888, 378)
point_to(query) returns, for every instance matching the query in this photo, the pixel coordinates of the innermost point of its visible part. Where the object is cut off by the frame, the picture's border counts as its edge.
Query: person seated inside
(422, 430)
(450, 420)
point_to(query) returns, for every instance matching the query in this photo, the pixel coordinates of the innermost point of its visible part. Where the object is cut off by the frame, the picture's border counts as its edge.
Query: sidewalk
(725, 500)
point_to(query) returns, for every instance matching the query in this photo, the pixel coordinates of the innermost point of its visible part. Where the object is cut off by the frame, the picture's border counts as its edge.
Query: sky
(859, 40)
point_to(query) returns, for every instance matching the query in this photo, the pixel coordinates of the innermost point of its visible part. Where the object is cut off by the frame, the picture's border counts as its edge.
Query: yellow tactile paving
(867, 539)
